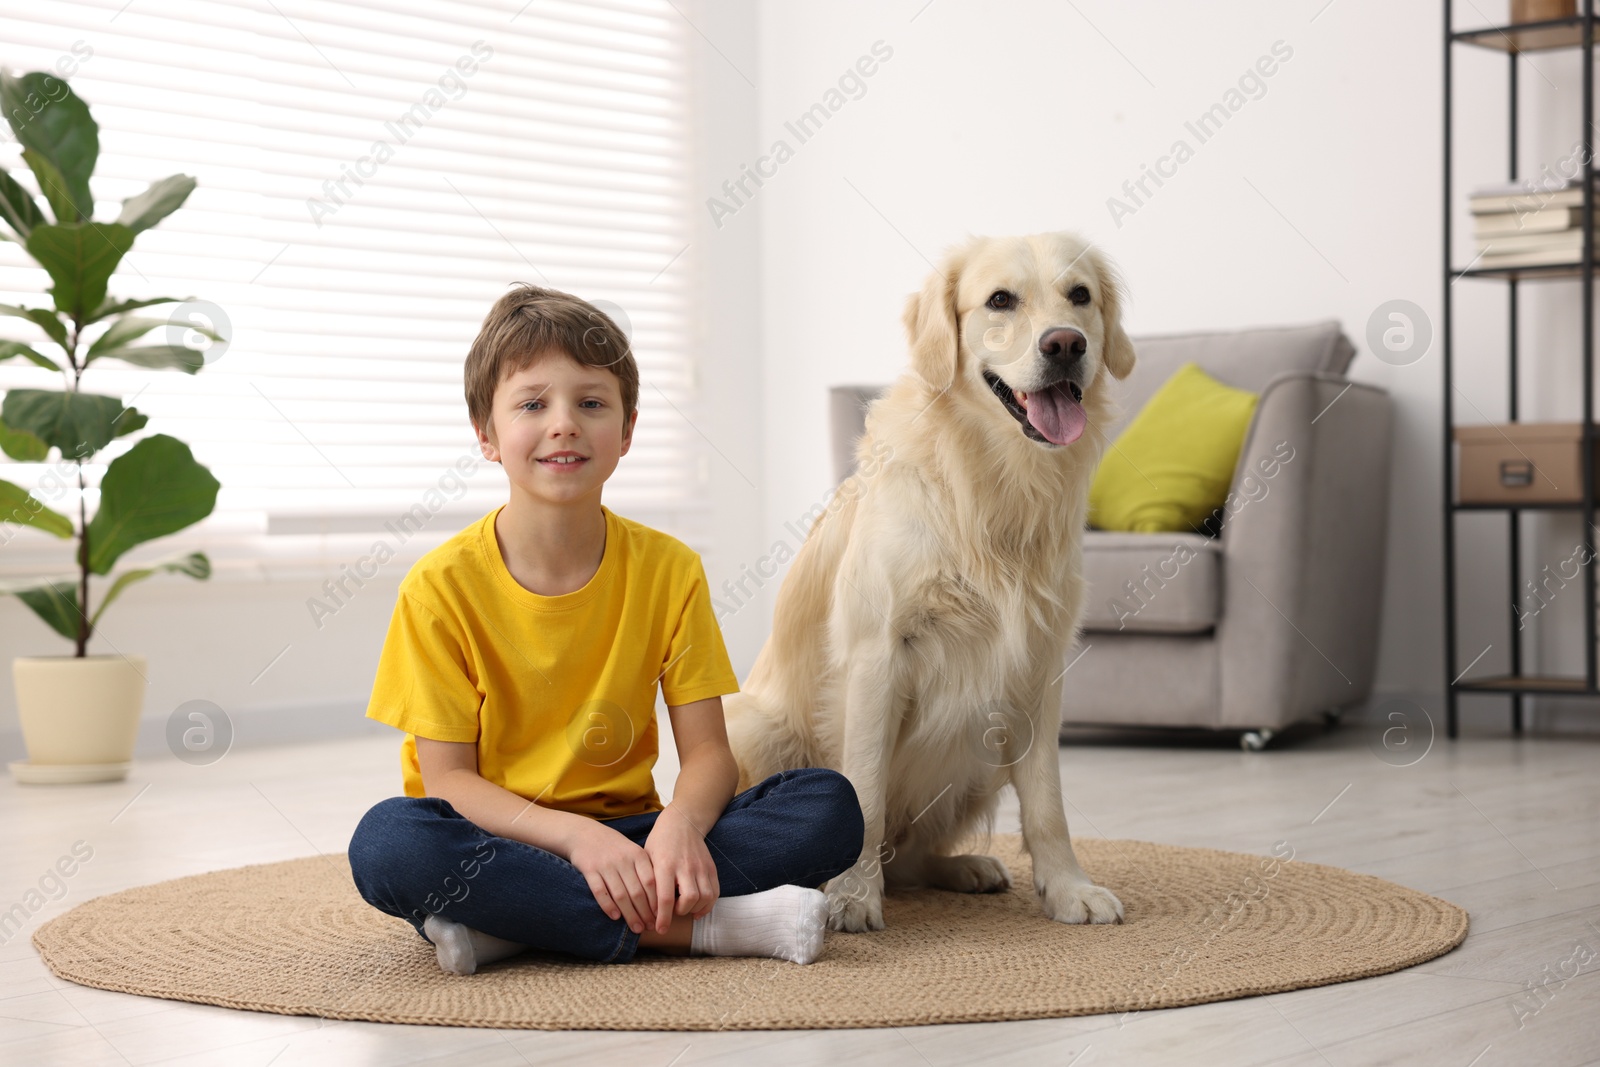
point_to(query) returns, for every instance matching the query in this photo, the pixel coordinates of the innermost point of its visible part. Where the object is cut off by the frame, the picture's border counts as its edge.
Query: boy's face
(557, 405)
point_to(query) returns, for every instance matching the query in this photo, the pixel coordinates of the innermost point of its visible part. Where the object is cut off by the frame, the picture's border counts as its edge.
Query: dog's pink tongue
(1056, 415)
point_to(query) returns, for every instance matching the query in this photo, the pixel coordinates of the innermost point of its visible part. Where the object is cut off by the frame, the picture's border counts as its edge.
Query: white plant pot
(79, 716)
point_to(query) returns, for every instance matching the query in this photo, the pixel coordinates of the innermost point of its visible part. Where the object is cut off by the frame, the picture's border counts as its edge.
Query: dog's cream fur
(920, 635)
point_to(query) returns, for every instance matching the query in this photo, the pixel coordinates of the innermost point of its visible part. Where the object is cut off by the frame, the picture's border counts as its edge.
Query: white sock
(786, 923)
(461, 949)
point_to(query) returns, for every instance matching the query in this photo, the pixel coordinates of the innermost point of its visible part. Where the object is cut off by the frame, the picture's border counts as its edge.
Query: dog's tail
(763, 742)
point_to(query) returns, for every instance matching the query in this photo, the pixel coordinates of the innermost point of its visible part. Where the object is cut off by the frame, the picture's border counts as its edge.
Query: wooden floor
(1509, 829)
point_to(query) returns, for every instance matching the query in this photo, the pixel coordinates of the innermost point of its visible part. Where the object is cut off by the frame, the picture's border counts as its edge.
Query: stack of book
(1530, 223)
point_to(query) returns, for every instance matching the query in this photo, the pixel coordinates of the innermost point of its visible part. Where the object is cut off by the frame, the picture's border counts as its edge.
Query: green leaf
(119, 333)
(129, 421)
(44, 318)
(153, 489)
(57, 604)
(21, 445)
(195, 565)
(54, 187)
(80, 259)
(110, 307)
(189, 324)
(141, 212)
(50, 121)
(79, 424)
(19, 506)
(179, 357)
(17, 205)
(17, 348)
(113, 344)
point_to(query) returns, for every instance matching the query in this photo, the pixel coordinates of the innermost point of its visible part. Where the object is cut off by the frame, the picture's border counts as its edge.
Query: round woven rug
(1202, 925)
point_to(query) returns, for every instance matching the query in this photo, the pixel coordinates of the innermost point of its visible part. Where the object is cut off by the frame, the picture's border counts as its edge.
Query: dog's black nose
(1062, 345)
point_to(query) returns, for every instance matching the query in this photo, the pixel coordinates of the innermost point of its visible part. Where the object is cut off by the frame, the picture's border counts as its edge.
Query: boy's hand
(619, 875)
(683, 864)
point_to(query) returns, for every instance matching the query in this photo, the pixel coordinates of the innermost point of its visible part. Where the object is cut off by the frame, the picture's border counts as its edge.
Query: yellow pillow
(1171, 467)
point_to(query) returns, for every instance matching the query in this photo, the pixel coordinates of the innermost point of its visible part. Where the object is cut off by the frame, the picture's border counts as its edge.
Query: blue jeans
(412, 856)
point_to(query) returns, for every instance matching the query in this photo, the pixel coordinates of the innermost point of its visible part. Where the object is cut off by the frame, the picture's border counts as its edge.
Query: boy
(522, 660)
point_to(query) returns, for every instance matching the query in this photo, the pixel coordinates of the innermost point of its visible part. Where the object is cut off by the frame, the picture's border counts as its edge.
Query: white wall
(1320, 198)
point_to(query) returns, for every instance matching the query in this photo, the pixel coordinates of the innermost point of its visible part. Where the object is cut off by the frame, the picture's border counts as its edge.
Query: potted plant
(80, 713)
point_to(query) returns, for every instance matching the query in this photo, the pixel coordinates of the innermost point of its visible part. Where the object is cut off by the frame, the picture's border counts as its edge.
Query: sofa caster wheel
(1254, 740)
(1332, 716)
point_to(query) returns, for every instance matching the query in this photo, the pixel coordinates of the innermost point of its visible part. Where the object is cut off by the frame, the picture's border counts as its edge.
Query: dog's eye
(1079, 295)
(1001, 300)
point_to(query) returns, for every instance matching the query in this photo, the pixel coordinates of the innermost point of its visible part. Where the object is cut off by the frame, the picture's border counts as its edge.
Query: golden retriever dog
(919, 639)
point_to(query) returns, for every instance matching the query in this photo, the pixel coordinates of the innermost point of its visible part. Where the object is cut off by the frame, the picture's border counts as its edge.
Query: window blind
(372, 176)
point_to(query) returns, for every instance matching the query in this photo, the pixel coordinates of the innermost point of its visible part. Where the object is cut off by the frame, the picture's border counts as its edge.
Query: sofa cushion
(1152, 583)
(1171, 468)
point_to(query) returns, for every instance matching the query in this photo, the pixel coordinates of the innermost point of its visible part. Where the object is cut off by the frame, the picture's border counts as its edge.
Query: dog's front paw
(1080, 902)
(855, 908)
(968, 874)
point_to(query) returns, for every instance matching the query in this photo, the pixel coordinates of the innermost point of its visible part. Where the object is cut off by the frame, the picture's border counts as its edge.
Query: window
(372, 176)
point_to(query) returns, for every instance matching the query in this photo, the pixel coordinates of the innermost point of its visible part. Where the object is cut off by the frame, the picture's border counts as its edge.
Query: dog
(919, 637)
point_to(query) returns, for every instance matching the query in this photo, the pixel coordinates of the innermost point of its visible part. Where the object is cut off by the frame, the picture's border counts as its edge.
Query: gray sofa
(1275, 619)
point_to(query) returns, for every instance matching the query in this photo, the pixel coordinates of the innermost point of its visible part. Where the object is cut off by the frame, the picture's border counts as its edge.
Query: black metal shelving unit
(1567, 33)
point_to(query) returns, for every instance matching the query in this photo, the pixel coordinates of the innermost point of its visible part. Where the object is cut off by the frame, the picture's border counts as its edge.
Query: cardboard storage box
(1540, 10)
(1521, 463)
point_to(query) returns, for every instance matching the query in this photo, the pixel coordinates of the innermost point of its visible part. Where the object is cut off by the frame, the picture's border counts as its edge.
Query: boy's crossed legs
(774, 844)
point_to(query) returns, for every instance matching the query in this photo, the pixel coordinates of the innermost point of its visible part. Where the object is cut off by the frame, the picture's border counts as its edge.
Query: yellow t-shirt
(558, 692)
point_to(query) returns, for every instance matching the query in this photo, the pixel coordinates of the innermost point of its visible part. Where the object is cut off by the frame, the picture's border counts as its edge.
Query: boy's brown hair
(529, 322)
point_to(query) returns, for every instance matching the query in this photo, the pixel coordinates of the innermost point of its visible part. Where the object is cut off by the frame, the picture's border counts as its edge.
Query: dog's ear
(1119, 356)
(932, 325)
